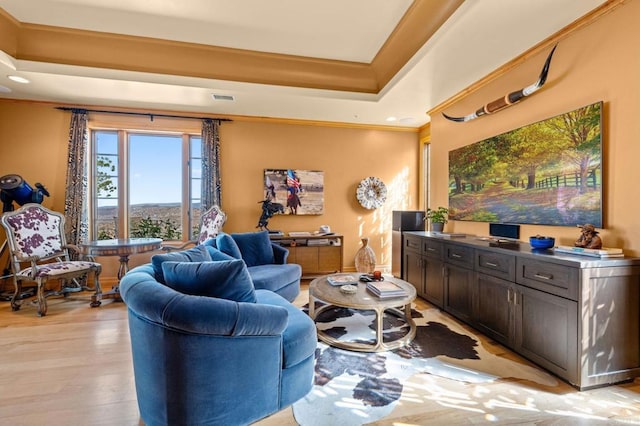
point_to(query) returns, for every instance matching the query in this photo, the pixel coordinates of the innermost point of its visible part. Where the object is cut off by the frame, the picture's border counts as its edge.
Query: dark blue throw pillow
(227, 245)
(216, 254)
(255, 247)
(227, 279)
(195, 254)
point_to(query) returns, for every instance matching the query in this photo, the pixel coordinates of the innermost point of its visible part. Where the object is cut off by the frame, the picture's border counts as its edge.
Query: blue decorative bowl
(539, 242)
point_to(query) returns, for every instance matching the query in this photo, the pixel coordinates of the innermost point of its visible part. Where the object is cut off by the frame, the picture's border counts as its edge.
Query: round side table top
(362, 298)
(120, 246)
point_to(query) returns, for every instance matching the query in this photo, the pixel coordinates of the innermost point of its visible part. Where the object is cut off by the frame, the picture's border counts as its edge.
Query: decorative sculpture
(509, 99)
(268, 210)
(589, 237)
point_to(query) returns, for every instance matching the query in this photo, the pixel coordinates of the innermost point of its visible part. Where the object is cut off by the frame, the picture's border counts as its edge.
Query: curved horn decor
(509, 99)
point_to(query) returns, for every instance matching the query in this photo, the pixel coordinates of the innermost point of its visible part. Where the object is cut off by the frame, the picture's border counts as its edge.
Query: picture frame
(545, 173)
(301, 192)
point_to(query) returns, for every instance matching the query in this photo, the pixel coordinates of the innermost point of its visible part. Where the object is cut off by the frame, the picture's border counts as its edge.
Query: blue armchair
(207, 360)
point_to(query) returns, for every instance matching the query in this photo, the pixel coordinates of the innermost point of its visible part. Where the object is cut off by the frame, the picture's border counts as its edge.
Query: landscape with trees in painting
(546, 173)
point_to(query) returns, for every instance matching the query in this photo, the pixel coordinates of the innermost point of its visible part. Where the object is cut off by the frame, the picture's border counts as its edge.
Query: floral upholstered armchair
(211, 223)
(38, 253)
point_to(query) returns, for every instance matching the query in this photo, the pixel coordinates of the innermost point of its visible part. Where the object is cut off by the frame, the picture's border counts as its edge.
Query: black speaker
(504, 230)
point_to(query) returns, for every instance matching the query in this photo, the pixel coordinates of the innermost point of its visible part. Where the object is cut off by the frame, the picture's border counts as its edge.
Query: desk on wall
(317, 254)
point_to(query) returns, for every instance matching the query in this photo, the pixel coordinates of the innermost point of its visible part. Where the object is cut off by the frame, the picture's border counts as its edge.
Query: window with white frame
(144, 184)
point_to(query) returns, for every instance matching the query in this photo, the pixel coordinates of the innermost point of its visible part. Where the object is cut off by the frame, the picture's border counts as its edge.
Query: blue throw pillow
(218, 255)
(227, 279)
(255, 247)
(195, 254)
(227, 245)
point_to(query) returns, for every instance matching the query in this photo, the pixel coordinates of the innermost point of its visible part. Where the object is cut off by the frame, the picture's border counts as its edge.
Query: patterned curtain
(75, 207)
(211, 189)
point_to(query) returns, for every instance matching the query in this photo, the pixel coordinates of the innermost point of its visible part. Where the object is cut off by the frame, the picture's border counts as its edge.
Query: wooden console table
(316, 257)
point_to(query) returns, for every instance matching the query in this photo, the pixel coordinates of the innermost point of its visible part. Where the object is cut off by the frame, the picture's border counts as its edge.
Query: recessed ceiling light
(18, 79)
(4, 89)
(218, 97)
(391, 119)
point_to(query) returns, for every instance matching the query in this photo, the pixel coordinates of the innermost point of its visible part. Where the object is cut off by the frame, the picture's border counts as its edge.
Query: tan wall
(597, 62)
(33, 144)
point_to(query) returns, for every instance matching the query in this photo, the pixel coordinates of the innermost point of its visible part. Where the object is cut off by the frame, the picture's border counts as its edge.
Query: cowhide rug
(353, 388)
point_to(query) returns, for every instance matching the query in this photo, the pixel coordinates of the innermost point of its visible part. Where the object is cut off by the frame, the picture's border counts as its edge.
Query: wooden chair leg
(97, 296)
(42, 299)
(15, 305)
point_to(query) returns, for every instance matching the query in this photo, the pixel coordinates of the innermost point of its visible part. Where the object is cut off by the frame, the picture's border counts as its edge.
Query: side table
(123, 248)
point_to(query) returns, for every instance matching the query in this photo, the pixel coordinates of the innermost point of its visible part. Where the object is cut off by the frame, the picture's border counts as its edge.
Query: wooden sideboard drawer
(432, 248)
(413, 243)
(548, 277)
(496, 264)
(459, 255)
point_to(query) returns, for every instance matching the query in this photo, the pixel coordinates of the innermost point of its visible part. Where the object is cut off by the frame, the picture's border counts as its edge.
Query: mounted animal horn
(510, 98)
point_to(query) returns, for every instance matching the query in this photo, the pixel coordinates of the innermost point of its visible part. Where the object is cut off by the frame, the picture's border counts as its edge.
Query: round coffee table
(320, 290)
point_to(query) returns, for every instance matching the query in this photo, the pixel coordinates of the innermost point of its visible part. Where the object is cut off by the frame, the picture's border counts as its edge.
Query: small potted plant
(438, 218)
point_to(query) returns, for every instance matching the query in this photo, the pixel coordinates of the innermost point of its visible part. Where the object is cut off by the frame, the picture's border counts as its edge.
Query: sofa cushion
(274, 277)
(255, 247)
(226, 279)
(227, 245)
(218, 255)
(195, 254)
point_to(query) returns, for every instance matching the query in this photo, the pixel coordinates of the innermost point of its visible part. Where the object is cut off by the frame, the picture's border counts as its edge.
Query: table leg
(312, 307)
(123, 268)
(379, 329)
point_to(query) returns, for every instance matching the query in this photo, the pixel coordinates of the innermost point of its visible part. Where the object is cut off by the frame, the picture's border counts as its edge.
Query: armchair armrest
(74, 248)
(280, 254)
(196, 314)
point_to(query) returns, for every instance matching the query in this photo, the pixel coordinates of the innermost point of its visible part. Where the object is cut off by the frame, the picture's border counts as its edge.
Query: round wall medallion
(371, 193)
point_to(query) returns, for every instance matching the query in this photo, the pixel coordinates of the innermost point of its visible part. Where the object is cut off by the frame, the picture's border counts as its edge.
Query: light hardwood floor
(73, 367)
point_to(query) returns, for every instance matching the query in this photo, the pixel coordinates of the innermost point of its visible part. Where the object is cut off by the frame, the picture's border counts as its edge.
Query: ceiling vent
(217, 97)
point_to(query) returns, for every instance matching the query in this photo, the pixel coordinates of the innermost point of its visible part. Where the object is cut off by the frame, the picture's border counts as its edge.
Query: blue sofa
(210, 349)
(266, 261)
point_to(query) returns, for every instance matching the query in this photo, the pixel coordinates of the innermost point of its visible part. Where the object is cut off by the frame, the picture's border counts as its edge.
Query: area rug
(354, 388)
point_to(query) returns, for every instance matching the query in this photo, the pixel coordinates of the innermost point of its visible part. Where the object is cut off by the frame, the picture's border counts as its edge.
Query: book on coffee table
(386, 289)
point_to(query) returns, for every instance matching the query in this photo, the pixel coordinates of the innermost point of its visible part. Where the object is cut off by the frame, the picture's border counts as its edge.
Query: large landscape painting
(299, 191)
(547, 173)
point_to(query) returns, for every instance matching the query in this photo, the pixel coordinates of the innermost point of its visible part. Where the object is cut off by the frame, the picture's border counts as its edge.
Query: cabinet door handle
(430, 249)
(493, 265)
(508, 295)
(544, 276)
(457, 256)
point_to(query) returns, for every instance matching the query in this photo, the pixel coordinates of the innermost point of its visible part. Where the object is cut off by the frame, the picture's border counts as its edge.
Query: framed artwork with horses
(294, 192)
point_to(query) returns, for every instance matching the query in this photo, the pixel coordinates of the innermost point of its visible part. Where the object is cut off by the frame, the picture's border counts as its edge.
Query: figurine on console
(269, 208)
(589, 237)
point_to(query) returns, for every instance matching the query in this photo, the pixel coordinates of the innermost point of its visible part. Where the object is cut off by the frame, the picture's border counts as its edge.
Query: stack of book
(604, 253)
(385, 289)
